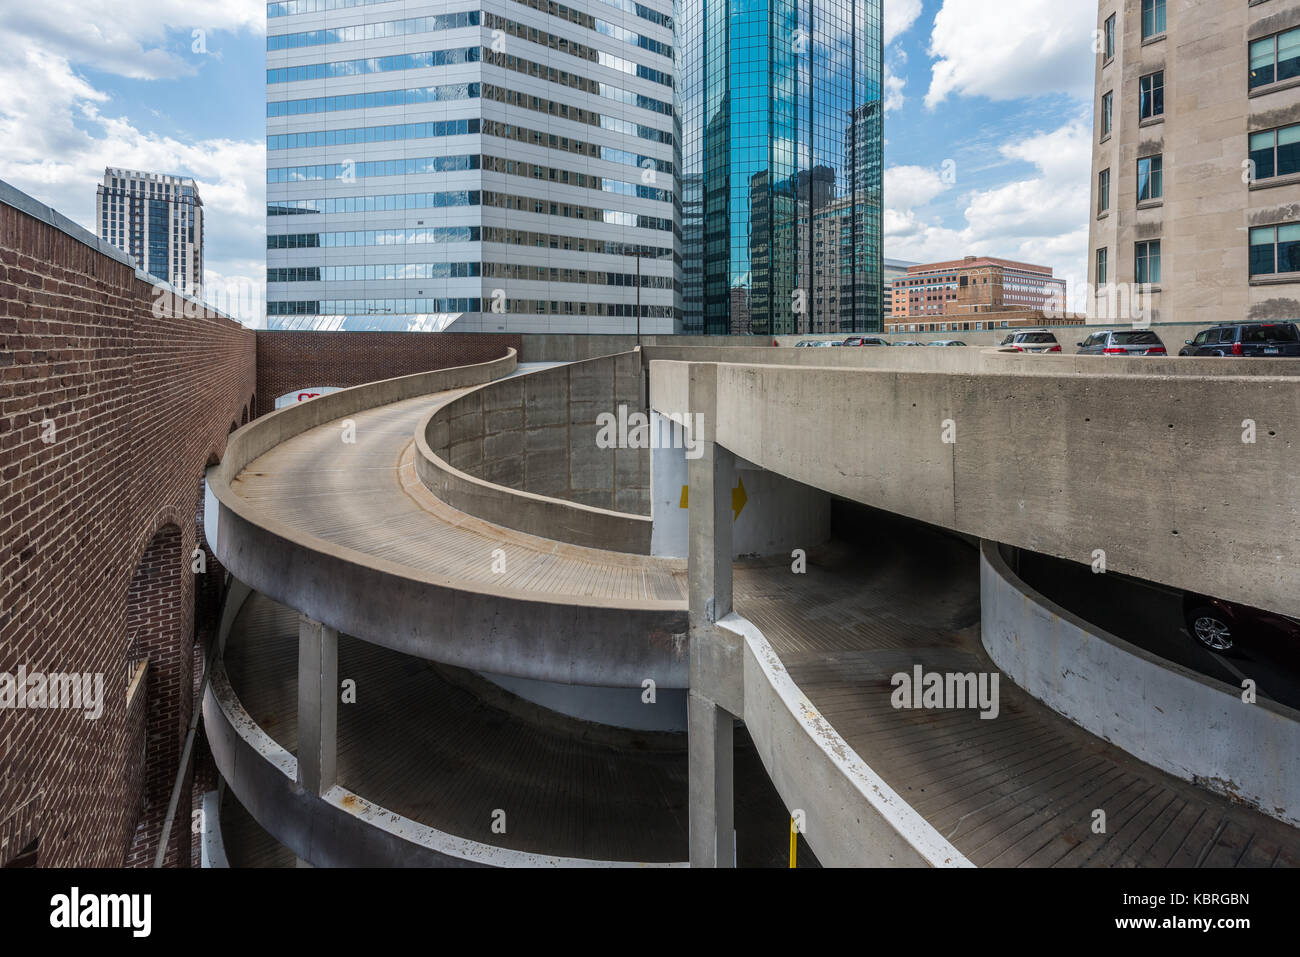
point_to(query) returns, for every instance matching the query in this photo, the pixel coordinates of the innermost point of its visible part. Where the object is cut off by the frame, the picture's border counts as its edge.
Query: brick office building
(974, 285)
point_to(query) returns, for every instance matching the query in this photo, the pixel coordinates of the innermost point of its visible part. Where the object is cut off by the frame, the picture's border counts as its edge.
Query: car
(1246, 339)
(1030, 340)
(804, 343)
(1122, 342)
(906, 342)
(863, 341)
(946, 342)
(1225, 626)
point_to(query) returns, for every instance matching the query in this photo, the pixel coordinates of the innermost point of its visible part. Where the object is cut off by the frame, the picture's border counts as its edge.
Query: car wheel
(1211, 629)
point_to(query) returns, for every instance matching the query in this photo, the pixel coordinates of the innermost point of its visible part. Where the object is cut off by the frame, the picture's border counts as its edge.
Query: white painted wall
(1168, 716)
(778, 514)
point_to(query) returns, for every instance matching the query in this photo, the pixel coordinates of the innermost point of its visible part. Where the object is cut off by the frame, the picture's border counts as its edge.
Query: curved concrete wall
(522, 453)
(854, 819)
(500, 631)
(1189, 725)
(340, 828)
(1148, 468)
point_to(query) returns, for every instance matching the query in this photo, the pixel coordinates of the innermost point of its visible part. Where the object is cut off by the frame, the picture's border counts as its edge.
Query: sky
(987, 127)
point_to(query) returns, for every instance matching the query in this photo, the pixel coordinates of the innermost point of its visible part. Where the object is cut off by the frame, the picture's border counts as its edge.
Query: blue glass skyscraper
(781, 187)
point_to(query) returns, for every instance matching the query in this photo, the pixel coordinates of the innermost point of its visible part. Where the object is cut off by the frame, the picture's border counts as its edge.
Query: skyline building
(1195, 212)
(157, 220)
(781, 129)
(506, 166)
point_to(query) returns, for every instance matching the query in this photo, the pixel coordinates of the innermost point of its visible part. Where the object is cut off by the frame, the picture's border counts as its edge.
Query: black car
(1268, 339)
(1223, 626)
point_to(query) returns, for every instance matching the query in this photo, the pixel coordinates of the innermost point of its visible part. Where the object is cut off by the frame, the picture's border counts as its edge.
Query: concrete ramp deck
(1016, 791)
(424, 746)
(365, 496)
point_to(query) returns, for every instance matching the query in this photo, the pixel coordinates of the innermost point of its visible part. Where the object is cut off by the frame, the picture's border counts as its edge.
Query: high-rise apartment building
(1196, 161)
(504, 165)
(156, 219)
(782, 150)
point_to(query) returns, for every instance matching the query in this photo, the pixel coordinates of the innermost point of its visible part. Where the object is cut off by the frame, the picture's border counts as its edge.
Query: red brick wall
(139, 404)
(288, 361)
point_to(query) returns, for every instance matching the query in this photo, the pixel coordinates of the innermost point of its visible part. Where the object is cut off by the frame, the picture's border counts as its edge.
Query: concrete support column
(318, 705)
(717, 661)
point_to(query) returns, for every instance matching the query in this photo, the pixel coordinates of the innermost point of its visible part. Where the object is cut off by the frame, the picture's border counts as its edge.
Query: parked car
(1031, 340)
(1122, 342)
(863, 341)
(946, 342)
(1249, 339)
(1222, 626)
(805, 343)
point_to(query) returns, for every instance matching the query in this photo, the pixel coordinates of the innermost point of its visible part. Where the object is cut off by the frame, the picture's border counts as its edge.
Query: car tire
(1212, 630)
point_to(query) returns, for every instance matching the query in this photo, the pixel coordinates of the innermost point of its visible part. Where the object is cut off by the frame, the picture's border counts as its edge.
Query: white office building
(157, 220)
(494, 166)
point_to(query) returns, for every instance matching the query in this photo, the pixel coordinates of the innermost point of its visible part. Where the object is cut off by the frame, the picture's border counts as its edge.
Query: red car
(1222, 626)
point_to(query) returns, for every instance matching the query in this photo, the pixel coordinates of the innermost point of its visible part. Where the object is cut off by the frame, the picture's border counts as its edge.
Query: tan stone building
(1196, 161)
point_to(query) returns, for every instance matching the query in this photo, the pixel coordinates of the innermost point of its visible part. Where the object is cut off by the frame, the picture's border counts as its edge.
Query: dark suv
(1246, 339)
(1223, 626)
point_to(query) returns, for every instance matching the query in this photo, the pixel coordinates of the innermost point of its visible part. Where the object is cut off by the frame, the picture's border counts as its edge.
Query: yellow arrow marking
(685, 497)
(738, 498)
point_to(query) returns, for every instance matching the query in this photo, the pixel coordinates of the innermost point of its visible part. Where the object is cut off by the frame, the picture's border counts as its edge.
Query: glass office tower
(782, 132)
(474, 165)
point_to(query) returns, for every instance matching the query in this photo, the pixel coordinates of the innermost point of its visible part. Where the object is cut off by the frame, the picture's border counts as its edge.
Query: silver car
(1030, 340)
(946, 342)
(1122, 342)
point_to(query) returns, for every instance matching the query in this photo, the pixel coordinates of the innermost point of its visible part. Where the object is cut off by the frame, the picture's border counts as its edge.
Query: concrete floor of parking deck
(1017, 790)
(420, 742)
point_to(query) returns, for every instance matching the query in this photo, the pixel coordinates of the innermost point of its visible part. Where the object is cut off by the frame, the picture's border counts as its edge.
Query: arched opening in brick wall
(243, 419)
(158, 660)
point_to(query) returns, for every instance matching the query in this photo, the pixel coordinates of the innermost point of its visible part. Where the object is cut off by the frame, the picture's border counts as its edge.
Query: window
(1107, 108)
(1103, 191)
(1275, 58)
(1151, 175)
(1110, 37)
(1151, 95)
(1148, 262)
(1153, 18)
(1103, 263)
(1275, 249)
(1275, 153)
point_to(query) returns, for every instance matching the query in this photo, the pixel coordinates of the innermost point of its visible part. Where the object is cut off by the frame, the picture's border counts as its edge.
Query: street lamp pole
(638, 296)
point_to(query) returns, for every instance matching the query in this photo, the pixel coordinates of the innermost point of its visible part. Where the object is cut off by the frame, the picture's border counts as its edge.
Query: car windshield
(1037, 337)
(1278, 333)
(1135, 338)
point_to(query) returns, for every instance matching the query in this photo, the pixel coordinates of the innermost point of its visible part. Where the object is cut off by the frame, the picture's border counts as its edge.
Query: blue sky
(987, 132)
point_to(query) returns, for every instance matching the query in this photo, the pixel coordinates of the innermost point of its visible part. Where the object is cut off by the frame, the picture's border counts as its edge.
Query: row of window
(455, 198)
(288, 8)
(1273, 250)
(1146, 256)
(378, 64)
(370, 272)
(364, 307)
(373, 134)
(380, 98)
(1151, 101)
(374, 31)
(459, 234)
(1150, 182)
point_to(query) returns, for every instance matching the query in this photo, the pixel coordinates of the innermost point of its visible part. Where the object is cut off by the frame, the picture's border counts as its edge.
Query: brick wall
(132, 406)
(288, 361)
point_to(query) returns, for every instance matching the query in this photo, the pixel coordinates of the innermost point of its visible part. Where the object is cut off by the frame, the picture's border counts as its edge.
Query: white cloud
(58, 133)
(899, 17)
(1043, 219)
(1048, 50)
(127, 38)
(907, 187)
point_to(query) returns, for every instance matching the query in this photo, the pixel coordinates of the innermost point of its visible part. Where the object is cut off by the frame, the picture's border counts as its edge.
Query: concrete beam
(318, 705)
(710, 736)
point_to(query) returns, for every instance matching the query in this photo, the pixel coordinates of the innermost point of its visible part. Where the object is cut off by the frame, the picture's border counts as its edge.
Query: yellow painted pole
(794, 842)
